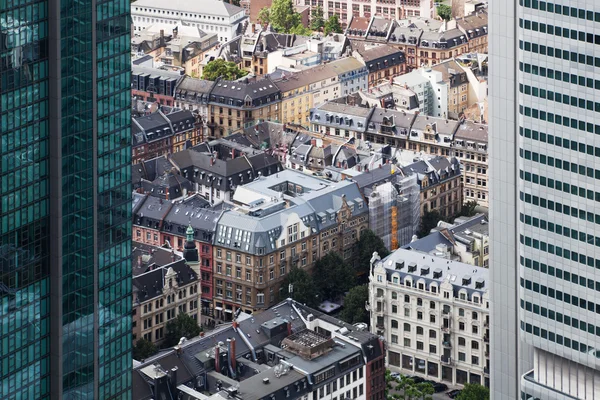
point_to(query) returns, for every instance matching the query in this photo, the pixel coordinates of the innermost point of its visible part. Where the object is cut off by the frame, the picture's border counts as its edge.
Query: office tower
(65, 191)
(544, 121)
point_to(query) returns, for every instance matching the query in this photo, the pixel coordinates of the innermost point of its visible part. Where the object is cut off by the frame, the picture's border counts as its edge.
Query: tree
(224, 69)
(444, 11)
(473, 391)
(354, 305)
(182, 326)
(304, 290)
(332, 276)
(264, 16)
(429, 220)
(316, 21)
(282, 16)
(143, 349)
(367, 244)
(333, 25)
(301, 30)
(469, 208)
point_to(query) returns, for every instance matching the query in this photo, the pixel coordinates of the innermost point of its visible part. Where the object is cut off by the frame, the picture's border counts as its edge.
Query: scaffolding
(394, 211)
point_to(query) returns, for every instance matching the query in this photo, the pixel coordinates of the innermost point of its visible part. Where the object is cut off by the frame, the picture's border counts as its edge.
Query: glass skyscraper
(545, 199)
(65, 191)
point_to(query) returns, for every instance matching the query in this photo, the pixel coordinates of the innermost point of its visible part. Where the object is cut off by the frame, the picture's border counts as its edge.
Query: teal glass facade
(65, 199)
(24, 200)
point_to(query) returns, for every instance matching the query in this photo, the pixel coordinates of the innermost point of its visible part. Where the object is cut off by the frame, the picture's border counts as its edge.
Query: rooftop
(432, 268)
(206, 7)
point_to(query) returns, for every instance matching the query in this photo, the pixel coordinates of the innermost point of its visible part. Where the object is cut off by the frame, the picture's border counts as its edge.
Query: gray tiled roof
(439, 270)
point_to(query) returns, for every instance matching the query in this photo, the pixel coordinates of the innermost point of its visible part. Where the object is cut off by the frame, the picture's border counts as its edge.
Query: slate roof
(437, 169)
(150, 284)
(192, 211)
(235, 94)
(442, 126)
(394, 122)
(258, 230)
(374, 57)
(223, 172)
(435, 269)
(470, 130)
(193, 90)
(341, 116)
(145, 256)
(428, 243)
(149, 128)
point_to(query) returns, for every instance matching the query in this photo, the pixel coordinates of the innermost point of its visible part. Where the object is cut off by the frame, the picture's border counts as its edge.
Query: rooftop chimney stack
(217, 359)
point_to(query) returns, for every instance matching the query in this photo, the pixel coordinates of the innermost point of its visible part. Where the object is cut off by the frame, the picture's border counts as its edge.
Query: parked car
(439, 387)
(396, 375)
(417, 379)
(453, 393)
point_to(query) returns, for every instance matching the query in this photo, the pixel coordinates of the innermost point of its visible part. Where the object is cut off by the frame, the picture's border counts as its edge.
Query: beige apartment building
(282, 221)
(159, 295)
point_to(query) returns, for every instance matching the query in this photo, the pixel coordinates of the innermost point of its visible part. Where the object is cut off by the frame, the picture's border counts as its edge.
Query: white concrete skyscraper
(545, 199)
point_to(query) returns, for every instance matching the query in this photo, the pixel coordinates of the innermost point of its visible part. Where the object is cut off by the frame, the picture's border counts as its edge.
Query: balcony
(445, 329)
(447, 345)
(486, 338)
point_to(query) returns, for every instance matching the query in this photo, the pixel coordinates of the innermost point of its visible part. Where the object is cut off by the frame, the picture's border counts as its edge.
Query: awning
(219, 308)
(229, 311)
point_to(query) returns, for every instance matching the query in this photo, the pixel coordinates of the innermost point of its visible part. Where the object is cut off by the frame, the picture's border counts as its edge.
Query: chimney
(313, 142)
(232, 153)
(212, 161)
(217, 359)
(253, 28)
(235, 325)
(161, 42)
(391, 80)
(232, 353)
(173, 255)
(289, 328)
(173, 376)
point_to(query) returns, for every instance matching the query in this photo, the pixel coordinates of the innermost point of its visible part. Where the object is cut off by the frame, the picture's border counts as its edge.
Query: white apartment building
(393, 9)
(211, 16)
(431, 90)
(434, 316)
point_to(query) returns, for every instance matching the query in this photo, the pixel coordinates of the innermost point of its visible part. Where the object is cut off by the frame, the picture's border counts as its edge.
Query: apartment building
(421, 135)
(347, 9)
(159, 295)
(470, 146)
(455, 78)
(159, 222)
(162, 132)
(465, 240)
(154, 85)
(382, 61)
(193, 94)
(281, 221)
(314, 86)
(180, 47)
(423, 40)
(235, 105)
(217, 167)
(288, 351)
(434, 316)
(440, 180)
(155, 177)
(212, 16)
